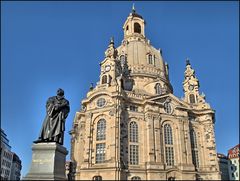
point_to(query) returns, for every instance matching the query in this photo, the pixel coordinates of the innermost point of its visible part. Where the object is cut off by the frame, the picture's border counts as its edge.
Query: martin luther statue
(54, 124)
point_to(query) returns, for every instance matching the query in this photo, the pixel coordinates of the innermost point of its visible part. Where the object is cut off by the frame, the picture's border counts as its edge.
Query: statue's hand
(56, 107)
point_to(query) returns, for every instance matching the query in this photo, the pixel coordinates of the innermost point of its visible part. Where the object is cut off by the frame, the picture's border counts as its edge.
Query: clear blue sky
(47, 45)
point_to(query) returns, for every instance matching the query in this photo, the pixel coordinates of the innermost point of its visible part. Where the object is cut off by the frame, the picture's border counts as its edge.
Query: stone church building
(132, 127)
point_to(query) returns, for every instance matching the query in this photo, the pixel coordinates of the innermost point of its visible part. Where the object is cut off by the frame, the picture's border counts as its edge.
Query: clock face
(191, 87)
(107, 68)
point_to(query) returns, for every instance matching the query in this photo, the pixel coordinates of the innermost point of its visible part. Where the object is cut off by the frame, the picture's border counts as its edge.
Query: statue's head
(60, 92)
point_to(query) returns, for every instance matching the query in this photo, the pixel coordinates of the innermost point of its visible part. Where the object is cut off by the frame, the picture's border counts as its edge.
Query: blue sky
(47, 45)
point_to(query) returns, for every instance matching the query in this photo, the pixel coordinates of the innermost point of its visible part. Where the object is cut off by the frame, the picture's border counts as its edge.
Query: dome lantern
(134, 25)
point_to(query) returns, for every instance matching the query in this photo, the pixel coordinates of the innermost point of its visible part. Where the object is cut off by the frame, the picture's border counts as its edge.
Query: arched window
(104, 79)
(135, 178)
(167, 107)
(168, 140)
(193, 139)
(127, 27)
(168, 134)
(158, 89)
(137, 28)
(101, 135)
(194, 146)
(101, 129)
(150, 59)
(133, 132)
(110, 79)
(192, 98)
(97, 178)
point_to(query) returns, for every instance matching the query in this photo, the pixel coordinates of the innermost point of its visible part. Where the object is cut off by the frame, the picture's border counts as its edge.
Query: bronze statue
(54, 124)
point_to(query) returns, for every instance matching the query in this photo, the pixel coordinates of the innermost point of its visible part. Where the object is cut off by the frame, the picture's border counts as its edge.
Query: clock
(107, 68)
(191, 87)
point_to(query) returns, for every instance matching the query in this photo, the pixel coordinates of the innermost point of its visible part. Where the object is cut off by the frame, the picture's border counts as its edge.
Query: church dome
(145, 61)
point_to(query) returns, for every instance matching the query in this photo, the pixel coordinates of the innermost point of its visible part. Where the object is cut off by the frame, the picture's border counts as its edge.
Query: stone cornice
(148, 71)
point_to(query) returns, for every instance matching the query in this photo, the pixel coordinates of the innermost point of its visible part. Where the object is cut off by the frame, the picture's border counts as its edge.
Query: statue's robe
(54, 123)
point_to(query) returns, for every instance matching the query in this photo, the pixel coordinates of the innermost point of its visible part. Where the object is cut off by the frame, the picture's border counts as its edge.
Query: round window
(101, 102)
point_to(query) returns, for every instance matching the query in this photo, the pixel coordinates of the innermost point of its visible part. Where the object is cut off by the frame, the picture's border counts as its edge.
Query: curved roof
(134, 14)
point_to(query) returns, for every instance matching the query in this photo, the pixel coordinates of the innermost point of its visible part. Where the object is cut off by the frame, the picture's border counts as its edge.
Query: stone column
(48, 162)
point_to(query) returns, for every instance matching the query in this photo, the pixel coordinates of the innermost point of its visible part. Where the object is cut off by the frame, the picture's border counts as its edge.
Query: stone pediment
(96, 94)
(168, 97)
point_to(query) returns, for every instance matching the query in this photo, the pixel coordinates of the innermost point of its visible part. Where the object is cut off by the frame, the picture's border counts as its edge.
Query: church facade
(132, 127)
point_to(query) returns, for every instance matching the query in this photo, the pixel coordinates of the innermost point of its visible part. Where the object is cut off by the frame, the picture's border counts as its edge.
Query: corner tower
(191, 88)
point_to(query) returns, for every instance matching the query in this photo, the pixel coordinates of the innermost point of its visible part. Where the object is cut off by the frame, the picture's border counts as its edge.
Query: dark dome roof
(134, 14)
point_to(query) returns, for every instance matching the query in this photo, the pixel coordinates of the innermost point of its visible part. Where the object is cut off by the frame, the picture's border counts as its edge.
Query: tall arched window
(194, 148)
(133, 141)
(101, 135)
(158, 89)
(168, 140)
(133, 132)
(154, 60)
(192, 98)
(135, 178)
(104, 79)
(193, 139)
(167, 107)
(150, 59)
(110, 79)
(168, 134)
(101, 129)
(137, 28)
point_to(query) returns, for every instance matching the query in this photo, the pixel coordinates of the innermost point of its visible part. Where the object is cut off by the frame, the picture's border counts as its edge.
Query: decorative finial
(160, 50)
(111, 50)
(112, 40)
(133, 8)
(91, 87)
(188, 61)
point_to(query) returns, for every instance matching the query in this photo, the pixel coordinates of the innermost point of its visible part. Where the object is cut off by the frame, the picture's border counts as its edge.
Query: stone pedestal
(48, 162)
